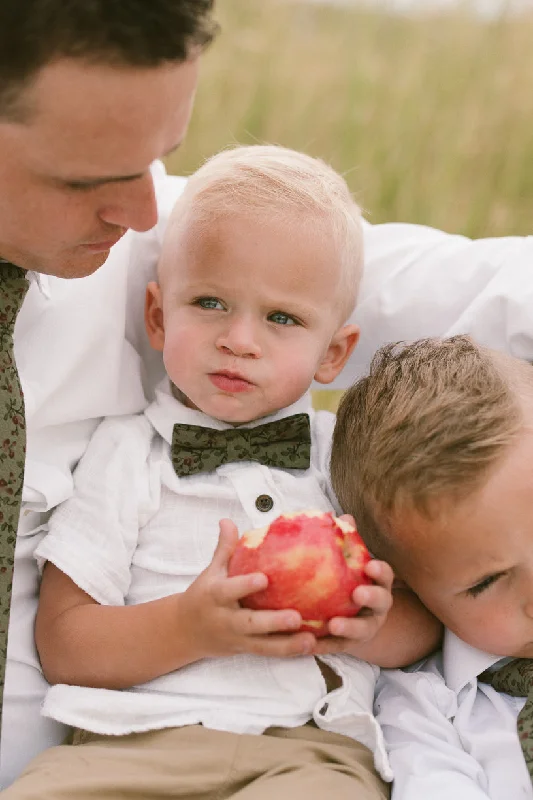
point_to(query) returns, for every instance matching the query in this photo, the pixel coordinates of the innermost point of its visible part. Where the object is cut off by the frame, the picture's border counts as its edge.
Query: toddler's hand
(347, 633)
(218, 624)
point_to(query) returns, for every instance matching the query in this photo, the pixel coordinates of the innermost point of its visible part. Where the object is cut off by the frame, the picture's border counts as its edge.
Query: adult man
(91, 93)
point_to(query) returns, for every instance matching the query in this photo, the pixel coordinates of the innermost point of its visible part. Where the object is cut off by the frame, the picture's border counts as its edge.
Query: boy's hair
(424, 427)
(281, 184)
(138, 33)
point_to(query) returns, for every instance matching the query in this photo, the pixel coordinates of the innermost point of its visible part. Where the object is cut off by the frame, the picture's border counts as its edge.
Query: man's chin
(76, 265)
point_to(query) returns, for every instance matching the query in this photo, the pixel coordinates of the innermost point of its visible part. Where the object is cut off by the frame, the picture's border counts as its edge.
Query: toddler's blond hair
(284, 185)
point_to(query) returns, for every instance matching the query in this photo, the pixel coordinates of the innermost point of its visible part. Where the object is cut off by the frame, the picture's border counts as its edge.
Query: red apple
(313, 562)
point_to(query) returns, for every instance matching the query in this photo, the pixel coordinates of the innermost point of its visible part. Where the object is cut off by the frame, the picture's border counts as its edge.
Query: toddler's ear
(153, 316)
(337, 354)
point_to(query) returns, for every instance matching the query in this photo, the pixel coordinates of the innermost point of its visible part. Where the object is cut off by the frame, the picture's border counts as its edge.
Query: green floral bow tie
(516, 679)
(285, 444)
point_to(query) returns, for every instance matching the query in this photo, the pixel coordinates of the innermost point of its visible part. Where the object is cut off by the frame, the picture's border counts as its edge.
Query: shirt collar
(462, 663)
(165, 411)
(41, 281)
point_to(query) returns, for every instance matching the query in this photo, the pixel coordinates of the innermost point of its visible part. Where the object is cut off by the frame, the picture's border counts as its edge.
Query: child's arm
(84, 643)
(397, 629)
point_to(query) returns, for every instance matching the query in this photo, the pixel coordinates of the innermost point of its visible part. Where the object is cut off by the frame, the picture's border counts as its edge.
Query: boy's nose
(527, 596)
(240, 338)
(528, 607)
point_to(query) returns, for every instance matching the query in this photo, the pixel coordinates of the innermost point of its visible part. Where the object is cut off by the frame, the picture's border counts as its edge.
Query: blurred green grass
(430, 119)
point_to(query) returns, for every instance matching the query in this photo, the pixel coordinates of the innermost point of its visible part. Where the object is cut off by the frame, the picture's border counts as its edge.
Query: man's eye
(282, 319)
(480, 587)
(209, 302)
(78, 186)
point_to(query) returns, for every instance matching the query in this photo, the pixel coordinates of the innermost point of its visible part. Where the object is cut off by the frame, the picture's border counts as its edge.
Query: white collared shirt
(134, 531)
(450, 737)
(75, 366)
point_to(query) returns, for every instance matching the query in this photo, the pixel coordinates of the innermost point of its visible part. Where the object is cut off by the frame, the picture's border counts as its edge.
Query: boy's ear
(153, 316)
(337, 354)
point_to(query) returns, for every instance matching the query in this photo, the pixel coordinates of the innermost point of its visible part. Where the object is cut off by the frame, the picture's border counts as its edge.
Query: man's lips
(230, 382)
(105, 244)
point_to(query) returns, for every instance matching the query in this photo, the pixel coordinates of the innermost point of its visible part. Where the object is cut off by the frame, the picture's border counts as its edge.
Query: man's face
(472, 566)
(74, 176)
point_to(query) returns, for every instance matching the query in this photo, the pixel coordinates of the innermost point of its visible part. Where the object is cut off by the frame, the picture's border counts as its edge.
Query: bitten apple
(313, 562)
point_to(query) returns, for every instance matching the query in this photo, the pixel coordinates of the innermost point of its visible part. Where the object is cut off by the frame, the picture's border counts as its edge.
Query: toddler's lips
(227, 382)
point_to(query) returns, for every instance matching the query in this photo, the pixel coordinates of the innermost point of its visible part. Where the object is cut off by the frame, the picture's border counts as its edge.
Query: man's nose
(133, 205)
(240, 337)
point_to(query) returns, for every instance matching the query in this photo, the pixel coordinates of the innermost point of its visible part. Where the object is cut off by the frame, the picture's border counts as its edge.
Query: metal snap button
(264, 502)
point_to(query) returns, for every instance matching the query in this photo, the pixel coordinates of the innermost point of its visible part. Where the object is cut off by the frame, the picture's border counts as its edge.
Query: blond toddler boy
(173, 689)
(433, 455)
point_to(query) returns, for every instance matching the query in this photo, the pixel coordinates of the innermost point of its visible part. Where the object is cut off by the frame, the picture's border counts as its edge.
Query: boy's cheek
(489, 629)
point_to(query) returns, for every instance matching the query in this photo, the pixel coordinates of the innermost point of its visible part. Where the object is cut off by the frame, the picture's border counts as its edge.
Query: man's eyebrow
(92, 181)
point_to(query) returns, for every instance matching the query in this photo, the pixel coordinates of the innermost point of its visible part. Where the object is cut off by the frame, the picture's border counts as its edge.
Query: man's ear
(153, 316)
(337, 354)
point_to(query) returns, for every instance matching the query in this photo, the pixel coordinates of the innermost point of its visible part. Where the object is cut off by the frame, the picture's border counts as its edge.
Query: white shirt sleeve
(415, 711)
(422, 282)
(92, 535)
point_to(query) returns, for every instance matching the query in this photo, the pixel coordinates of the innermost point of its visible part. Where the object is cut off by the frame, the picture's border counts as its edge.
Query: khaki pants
(202, 764)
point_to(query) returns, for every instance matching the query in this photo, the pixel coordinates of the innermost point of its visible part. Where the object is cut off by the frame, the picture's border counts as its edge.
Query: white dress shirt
(75, 366)
(448, 735)
(78, 357)
(134, 532)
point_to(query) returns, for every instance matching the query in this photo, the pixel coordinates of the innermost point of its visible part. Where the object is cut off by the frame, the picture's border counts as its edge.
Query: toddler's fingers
(256, 623)
(227, 539)
(380, 572)
(281, 645)
(229, 591)
(375, 599)
(345, 631)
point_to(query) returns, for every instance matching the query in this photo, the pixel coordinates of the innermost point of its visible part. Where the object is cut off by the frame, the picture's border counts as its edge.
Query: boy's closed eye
(483, 584)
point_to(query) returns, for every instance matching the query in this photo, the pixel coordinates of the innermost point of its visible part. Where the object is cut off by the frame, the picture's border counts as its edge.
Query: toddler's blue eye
(209, 302)
(282, 319)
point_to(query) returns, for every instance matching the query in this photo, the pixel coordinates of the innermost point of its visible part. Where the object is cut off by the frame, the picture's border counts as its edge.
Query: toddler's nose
(241, 339)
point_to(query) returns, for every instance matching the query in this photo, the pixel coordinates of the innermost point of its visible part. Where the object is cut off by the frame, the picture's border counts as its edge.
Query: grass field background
(430, 119)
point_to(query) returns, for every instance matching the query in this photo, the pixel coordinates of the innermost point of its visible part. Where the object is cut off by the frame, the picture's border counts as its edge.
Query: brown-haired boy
(433, 455)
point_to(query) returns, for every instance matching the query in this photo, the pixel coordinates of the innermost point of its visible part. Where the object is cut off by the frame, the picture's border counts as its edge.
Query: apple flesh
(313, 562)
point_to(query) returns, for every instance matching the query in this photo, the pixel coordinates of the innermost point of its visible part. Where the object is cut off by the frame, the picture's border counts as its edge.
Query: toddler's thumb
(227, 539)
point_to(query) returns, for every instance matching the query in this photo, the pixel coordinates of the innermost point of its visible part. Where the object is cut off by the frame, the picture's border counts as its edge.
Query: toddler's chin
(233, 413)
(225, 409)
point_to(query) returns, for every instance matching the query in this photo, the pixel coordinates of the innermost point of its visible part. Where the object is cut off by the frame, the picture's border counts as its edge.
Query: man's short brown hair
(139, 33)
(424, 427)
